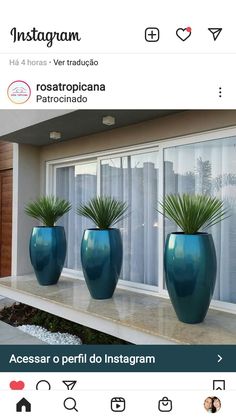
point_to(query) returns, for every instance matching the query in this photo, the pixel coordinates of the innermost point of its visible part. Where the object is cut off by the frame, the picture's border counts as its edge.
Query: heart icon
(17, 385)
(184, 33)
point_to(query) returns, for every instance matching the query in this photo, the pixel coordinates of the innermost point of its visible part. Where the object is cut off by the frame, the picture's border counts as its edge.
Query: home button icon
(23, 406)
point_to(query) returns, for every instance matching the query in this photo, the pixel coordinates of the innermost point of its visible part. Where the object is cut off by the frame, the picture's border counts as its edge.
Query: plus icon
(152, 34)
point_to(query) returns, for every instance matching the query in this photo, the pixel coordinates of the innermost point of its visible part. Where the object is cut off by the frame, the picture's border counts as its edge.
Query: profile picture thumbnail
(212, 404)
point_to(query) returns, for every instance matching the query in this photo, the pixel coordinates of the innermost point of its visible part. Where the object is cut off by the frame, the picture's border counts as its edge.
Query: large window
(77, 183)
(134, 179)
(141, 179)
(209, 168)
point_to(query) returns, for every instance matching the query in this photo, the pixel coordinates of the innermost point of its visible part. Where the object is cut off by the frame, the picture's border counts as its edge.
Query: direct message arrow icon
(69, 384)
(215, 32)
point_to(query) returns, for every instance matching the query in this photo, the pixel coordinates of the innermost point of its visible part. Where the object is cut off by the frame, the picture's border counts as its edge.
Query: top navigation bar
(130, 27)
(156, 37)
(136, 55)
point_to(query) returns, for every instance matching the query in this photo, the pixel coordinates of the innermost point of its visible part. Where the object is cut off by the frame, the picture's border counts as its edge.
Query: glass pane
(209, 168)
(78, 184)
(134, 179)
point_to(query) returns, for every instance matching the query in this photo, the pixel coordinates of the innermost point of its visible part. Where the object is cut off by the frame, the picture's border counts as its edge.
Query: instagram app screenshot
(117, 209)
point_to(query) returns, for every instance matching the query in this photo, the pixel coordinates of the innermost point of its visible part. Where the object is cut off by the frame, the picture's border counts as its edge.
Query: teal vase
(47, 253)
(190, 268)
(101, 258)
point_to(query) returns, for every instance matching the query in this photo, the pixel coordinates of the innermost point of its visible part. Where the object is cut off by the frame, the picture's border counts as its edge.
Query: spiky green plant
(193, 212)
(47, 209)
(104, 211)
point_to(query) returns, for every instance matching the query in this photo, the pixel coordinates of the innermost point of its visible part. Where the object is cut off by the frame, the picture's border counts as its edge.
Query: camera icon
(117, 404)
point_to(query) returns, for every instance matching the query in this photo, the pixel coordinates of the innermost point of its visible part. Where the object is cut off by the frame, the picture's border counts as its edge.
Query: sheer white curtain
(78, 184)
(210, 168)
(134, 179)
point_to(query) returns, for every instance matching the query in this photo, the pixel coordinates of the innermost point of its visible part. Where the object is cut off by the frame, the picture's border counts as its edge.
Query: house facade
(139, 160)
(6, 177)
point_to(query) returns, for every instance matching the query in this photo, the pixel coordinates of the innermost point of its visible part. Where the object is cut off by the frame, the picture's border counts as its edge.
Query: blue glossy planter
(190, 267)
(47, 253)
(101, 257)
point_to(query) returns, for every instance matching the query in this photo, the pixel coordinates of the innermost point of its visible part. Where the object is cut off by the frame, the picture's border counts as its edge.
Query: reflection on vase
(190, 267)
(47, 253)
(101, 256)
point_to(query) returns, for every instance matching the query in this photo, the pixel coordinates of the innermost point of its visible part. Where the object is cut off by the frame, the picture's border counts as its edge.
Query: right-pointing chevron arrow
(219, 358)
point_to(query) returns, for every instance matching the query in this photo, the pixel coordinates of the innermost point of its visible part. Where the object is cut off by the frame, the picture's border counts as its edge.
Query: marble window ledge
(135, 317)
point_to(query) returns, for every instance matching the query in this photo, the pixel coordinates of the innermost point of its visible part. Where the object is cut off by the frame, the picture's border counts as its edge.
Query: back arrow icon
(219, 358)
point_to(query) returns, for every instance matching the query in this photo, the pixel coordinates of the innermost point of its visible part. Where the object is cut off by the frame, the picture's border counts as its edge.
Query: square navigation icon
(152, 34)
(218, 384)
(117, 404)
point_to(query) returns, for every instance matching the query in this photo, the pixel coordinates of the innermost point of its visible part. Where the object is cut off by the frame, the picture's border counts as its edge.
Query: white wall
(25, 188)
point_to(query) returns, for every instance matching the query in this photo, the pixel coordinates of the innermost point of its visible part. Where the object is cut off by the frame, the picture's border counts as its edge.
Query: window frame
(157, 145)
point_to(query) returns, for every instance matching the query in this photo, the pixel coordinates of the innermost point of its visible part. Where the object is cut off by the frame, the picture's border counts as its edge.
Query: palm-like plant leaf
(193, 212)
(48, 209)
(103, 211)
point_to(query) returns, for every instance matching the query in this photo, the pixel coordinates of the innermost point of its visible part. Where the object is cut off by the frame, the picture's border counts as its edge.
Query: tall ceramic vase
(101, 257)
(190, 268)
(47, 253)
